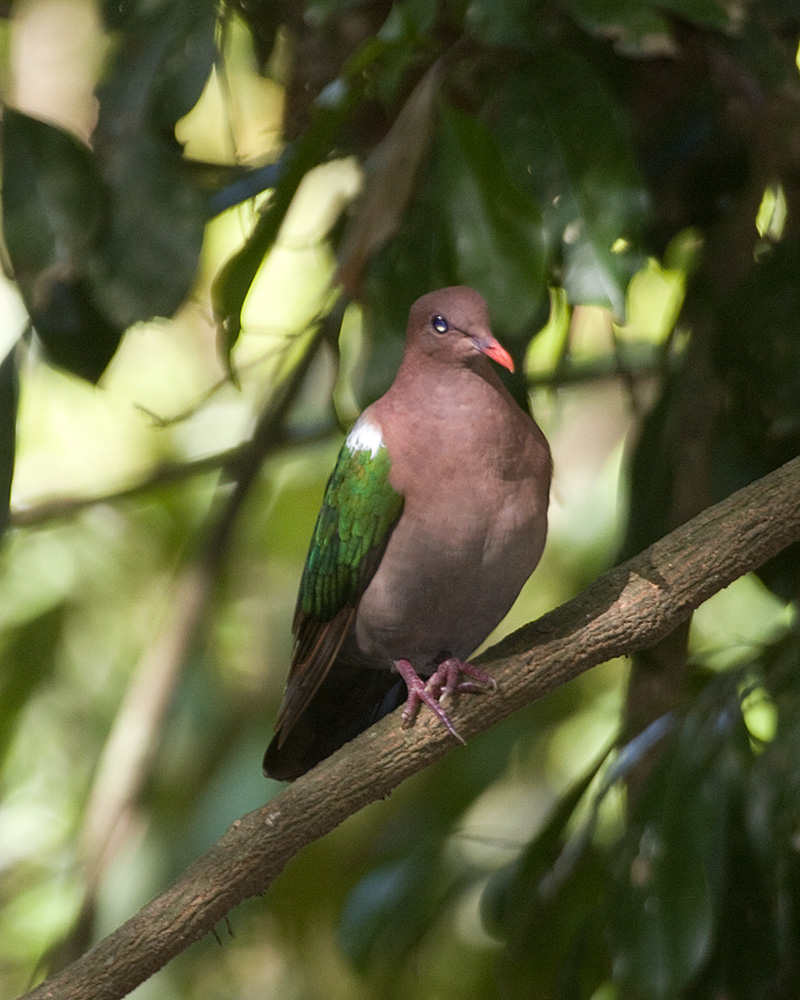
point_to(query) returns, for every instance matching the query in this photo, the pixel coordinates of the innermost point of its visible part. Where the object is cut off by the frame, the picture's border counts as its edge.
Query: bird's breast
(474, 473)
(452, 568)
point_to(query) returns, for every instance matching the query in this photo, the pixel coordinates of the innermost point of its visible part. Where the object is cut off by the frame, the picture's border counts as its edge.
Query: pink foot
(448, 672)
(444, 681)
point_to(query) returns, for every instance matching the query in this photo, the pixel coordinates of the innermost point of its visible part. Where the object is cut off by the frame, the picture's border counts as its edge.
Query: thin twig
(162, 475)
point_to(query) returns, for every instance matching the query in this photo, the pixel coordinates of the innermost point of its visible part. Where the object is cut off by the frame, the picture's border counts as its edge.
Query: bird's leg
(418, 694)
(443, 681)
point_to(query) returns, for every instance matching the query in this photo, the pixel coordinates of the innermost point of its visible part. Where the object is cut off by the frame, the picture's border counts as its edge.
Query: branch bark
(627, 609)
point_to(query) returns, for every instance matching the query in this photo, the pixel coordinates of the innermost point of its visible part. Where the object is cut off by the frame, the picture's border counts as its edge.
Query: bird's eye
(440, 324)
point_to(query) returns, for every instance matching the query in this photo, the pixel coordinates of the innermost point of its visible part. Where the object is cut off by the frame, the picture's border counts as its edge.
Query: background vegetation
(216, 219)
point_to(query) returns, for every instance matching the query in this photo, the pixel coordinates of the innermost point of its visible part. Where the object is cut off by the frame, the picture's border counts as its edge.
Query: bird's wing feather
(358, 512)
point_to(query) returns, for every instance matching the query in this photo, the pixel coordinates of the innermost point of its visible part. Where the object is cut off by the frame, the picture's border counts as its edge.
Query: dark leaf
(525, 878)
(505, 23)
(52, 199)
(75, 333)
(147, 258)
(547, 911)
(9, 398)
(386, 912)
(758, 358)
(581, 168)
(704, 13)
(53, 211)
(146, 261)
(165, 54)
(667, 879)
(263, 20)
(491, 229)
(389, 184)
(26, 662)
(635, 28)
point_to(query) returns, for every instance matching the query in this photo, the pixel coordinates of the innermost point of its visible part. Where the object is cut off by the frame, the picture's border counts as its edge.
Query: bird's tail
(347, 702)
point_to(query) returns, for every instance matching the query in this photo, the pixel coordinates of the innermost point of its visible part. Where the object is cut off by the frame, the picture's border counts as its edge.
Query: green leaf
(505, 23)
(704, 13)
(491, 229)
(547, 911)
(387, 910)
(52, 199)
(331, 110)
(27, 661)
(636, 28)
(146, 261)
(665, 895)
(53, 208)
(564, 136)
(523, 880)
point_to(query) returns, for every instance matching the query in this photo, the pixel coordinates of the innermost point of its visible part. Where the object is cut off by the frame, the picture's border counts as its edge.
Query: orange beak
(494, 349)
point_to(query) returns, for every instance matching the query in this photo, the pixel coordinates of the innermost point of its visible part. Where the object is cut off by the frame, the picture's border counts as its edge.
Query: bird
(433, 518)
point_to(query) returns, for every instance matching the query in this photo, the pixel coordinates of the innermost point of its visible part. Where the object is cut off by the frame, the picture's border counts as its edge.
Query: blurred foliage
(266, 188)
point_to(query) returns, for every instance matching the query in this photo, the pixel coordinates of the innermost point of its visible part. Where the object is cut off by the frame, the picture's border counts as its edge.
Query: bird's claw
(444, 681)
(446, 677)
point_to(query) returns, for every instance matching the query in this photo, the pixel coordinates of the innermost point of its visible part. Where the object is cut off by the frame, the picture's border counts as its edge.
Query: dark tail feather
(347, 702)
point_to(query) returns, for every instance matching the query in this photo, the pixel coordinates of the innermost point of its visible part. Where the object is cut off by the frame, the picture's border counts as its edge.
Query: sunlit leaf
(233, 282)
(331, 110)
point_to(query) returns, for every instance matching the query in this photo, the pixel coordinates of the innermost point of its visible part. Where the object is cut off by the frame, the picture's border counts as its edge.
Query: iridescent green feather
(357, 514)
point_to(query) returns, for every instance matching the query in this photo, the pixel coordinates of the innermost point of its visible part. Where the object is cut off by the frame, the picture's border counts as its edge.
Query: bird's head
(452, 325)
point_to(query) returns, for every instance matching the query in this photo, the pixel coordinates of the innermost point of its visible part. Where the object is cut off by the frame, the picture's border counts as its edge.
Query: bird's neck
(436, 418)
(431, 401)
(429, 382)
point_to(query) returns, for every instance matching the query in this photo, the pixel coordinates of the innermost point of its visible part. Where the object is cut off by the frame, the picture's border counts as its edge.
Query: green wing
(359, 509)
(358, 513)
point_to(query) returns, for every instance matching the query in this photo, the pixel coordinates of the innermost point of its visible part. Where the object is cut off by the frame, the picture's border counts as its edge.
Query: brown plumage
(471, 475)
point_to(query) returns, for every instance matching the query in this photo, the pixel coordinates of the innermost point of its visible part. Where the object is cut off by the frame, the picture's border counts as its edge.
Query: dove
(434, 517)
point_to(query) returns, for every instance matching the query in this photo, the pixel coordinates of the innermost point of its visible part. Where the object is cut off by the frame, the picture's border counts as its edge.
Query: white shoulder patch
(365, 436)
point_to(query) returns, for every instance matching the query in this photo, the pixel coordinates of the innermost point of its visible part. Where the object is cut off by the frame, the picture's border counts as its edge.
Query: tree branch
(627, 609)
